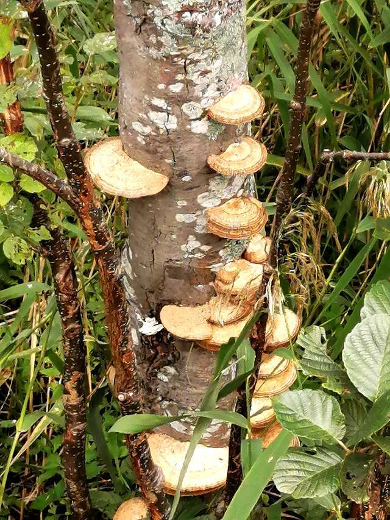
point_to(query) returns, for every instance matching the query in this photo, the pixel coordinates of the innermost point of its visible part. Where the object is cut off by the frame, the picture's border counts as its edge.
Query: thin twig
(328, 157)
(45, 177)
(120, 318)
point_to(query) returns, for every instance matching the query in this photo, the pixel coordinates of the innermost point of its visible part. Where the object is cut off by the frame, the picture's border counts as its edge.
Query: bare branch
(45, 177)
(298, 108)
(347, 155)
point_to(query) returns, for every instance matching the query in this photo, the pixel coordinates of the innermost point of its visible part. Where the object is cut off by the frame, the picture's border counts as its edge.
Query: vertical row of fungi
(236, 284)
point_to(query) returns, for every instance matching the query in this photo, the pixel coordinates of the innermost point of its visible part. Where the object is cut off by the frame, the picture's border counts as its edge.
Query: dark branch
(121, 322)
(45, 177)
(328, 157)
(298, 109)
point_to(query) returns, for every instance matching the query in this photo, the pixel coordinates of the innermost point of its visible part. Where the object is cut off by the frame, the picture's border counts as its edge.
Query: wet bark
(184, 58)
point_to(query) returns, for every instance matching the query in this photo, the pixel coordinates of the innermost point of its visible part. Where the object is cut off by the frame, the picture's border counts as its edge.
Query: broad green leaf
(30, 419)
(101, 42)
(5, 38)
(30, 185)
(355, 477)
(99, 77)
(331, 502)
(250, 450)
(366, 356)
(91, 113)
(257, 478)
(16, 249)
(21, 145)
(23, 289)
(308, 473)
(310, 413)
(315, 360)
(6, 173)
(382, 442)
(355, 415)
(377, 300)
(6, 193)
(377, 418)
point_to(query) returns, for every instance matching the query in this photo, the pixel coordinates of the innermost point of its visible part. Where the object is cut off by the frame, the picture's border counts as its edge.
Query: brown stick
(73, 454)
(347, 155)
(298, 109)
(120, 319)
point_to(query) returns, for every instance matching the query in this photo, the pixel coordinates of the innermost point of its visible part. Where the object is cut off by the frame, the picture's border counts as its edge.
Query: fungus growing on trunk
(206, 472)
(270, 433)
(239, 217)
(240, 106)
(262, 412)
(133, 509)
(239, 278)
(282, 328)
(223, 311)
(272, 364)
(276, 384)
(258, 249)
(222, 334)
(115, 173)
(242, 158)
(187, 322)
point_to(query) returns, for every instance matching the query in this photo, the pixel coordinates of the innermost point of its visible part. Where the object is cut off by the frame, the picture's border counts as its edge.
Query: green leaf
(250, 450)
(234, 384)
(377, 300)
(382, 442)
(5, 39)
(137, 423)
(23, 289)
(381, 39)
(6, 193)
(310, 413)
(377, 418)
(91, 113)
(355, 414)
(21, 145)
(258, 477)
(366, 356)
(355, 477)
(16, 249)
(99, 77)
(101, 42)
(30, 419)
(308, 473)
(6, 173)
(30, 185)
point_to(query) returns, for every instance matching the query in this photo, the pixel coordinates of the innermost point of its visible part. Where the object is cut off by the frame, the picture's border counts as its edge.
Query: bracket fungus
(239, 106)
(224, 312)
(272, 365)
(222, 334)
(243, 158)
(239, 278)
(258, 249)
(270, 433)
(276, 384)
(239, 217)
(133, 509)
(262, 412)
(207, 470)
(115, 173)
(188, 323)
(282, 328)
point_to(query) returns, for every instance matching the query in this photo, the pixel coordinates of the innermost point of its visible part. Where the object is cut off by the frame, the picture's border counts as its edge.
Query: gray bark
(176, 59)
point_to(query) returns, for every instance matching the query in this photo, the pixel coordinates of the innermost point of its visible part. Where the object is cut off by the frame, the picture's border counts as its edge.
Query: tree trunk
(176, 59)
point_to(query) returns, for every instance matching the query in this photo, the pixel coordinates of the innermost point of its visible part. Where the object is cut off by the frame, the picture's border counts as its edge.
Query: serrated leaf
(377, 418)
(355, 414)
(355, 477)
(315, 360)
(377, 300)
(382, 442)
(310, 413)
(308, 473)
(366, 356)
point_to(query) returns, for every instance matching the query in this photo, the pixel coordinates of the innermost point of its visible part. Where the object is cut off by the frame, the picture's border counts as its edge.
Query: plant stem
(328, 157)
(298, 109)
(121, 323)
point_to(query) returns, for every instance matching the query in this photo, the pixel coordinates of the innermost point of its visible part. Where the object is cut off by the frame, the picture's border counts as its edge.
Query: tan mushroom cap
(262, 407)
(274, 385)
(243, 158)
(187, 322)
(282, 329)
(133, 509)
(269, 434)
(272, 365)
(221, 335)
(239, 217)
(258, 249)
(237, 277)
(240, 106)
(207, 470)
(115, 173)
(224, 312)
